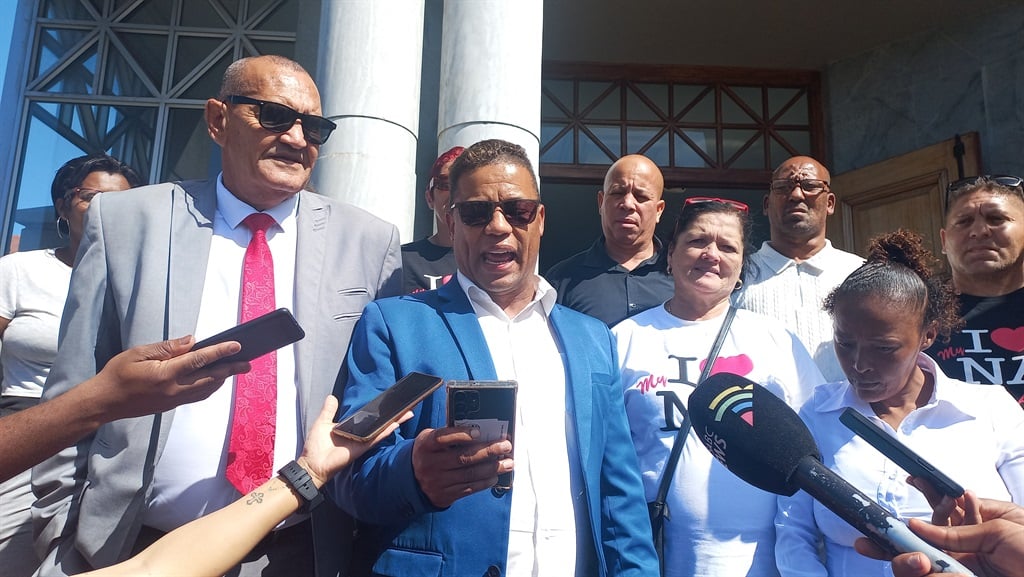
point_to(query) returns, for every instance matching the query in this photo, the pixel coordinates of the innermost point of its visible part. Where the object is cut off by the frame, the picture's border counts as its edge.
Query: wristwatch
(299, 479)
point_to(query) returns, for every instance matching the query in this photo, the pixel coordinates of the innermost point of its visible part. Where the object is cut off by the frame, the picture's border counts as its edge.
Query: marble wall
(967, 76)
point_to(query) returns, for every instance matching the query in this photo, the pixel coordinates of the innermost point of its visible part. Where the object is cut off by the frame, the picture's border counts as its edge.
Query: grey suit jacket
(139, 279)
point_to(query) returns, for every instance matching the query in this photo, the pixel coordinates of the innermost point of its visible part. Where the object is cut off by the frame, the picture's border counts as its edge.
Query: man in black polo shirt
(623, 272)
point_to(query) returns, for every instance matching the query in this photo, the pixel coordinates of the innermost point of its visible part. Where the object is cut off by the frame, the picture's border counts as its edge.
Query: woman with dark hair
(885, 314)
(33, 288)
(719, 525)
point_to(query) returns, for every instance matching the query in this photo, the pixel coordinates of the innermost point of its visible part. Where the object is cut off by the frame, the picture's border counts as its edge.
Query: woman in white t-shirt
(33, 288)
(718, 524)
(886, 313)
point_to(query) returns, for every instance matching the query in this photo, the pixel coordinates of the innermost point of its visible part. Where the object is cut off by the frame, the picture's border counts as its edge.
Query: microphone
(758, 437)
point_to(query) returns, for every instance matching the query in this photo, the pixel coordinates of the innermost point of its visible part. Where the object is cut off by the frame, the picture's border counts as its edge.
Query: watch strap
(298, 478)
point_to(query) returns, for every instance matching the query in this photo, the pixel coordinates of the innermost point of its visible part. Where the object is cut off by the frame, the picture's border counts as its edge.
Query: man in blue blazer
(426, 499)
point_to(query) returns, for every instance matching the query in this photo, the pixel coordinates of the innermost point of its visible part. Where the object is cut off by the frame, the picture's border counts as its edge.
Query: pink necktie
(251, 448)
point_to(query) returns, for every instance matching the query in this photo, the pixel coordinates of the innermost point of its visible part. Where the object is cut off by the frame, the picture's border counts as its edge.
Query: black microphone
(758, 437)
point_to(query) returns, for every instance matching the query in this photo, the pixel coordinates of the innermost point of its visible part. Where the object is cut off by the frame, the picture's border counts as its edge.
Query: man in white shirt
(428, 497)
(174, 259)
(793, 272)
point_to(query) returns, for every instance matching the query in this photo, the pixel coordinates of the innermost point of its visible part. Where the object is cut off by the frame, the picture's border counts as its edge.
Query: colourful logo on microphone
(739, 400)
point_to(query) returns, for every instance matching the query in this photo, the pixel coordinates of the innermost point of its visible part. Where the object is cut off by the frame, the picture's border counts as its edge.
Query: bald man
(794, 271)
(623, 272)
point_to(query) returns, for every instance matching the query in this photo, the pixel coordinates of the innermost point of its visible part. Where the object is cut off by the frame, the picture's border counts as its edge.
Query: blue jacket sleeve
(380, 488)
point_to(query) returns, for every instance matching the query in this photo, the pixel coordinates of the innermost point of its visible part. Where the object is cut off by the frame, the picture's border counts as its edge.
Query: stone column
(490, 73)
(368, 72)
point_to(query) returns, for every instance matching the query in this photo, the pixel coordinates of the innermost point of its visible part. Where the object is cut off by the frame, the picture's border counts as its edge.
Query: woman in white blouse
(886, 313)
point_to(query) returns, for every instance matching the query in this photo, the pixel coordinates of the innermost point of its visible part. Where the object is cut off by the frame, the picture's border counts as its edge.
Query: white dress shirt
(542, 530)
(793, 292)
(189, 480)
(973, 434)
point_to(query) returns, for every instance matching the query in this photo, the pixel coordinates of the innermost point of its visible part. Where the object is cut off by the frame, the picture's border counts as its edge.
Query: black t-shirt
(594, 284)
(426, 266)
(989, 349)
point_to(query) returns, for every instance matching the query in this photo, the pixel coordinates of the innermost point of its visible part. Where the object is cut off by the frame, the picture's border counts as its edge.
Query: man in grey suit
(167, 260)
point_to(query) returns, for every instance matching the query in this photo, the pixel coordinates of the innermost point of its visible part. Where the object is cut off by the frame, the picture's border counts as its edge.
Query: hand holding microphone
(763, 441)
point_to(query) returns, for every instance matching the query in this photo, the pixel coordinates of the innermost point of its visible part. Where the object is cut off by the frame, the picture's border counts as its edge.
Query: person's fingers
(945, 512)
(199, 358)
(163, 350)
(455, 435)
(972, 508)
(968, 538)
(867, 548)
(329, 409)
(911, 565)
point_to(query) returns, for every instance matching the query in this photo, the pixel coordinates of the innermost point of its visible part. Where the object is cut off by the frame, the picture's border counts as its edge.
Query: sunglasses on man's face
(519, 212)
(279, 118)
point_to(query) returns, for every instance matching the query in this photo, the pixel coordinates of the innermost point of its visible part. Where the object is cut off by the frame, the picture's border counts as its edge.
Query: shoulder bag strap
(684, 426)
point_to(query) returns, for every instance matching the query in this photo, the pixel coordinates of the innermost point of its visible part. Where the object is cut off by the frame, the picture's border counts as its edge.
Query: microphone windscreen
(755, 434)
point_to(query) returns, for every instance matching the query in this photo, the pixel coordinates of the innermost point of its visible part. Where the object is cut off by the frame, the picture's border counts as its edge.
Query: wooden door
(907, 191)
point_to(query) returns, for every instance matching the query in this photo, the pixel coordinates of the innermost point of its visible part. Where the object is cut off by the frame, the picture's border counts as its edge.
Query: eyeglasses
(519, 212)
(84, 194)
(279, 118)
(704, 199)
(959, 187)
(810, 186)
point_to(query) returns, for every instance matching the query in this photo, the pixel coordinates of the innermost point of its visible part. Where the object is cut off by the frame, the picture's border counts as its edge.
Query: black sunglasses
(279, 118)
(519, 212)
(958, 187)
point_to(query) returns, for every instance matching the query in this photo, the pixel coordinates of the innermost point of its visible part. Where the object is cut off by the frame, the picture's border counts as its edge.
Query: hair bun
(902, 247)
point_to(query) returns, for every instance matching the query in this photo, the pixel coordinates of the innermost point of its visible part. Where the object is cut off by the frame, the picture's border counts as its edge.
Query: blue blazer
(403, 533)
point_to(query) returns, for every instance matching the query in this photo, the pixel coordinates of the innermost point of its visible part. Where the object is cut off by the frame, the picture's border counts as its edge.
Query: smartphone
(899, 453)
(489, 406)
(258, 336)
(366, 423)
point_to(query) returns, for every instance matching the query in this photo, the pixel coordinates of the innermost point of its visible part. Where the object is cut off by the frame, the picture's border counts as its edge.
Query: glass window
(133, 99)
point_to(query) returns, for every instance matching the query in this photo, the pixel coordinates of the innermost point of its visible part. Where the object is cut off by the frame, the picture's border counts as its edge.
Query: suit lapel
(464, 327)
(579, 390)
(310, 251)
(192, 213)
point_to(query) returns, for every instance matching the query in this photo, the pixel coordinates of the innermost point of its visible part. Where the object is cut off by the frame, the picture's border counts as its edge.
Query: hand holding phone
(489, 407)
(366, 423)
(257, 336)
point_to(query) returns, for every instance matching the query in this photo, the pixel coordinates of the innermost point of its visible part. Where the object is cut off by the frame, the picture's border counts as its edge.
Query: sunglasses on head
(705, 199)
(519, 212)
(958, 187)
(279, 118)
(810, 186)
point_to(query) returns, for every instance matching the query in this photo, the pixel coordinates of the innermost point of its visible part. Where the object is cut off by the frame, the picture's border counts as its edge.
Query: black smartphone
(366, 423)
(258, 336)
(899, 453)
(490, 407)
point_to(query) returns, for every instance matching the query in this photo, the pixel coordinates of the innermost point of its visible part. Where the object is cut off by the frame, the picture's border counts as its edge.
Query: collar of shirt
(597, 257)
(779, 262)
(234, 210)
(845, 396)
(482, 302)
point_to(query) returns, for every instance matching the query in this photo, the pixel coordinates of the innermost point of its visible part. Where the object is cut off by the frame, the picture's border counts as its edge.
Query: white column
(368, 73)
(490, 73)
